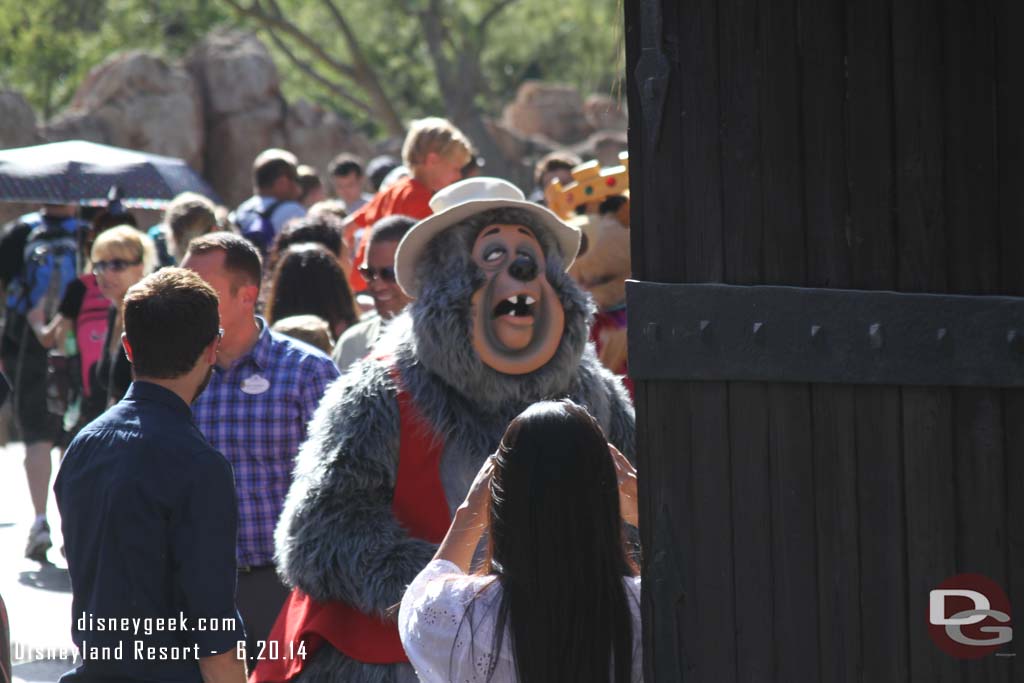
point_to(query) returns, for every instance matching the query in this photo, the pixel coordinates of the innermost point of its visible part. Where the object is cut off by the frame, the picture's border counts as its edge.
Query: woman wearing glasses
(120, 257)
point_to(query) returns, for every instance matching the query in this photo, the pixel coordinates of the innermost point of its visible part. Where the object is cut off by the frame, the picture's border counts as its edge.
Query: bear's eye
(494, 255)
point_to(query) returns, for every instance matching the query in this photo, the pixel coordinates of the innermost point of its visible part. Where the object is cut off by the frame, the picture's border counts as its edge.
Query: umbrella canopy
(77, 171)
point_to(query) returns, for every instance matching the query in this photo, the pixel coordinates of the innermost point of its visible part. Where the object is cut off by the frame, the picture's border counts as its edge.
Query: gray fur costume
(337, 538)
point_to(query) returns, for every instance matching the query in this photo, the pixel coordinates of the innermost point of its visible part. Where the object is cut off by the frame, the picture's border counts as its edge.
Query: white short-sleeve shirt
(448, 635)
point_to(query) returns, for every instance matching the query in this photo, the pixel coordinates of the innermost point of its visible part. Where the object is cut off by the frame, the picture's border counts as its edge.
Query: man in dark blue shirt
(148, 506)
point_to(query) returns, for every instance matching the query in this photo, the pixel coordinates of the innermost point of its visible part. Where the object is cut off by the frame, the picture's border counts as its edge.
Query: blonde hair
(124, 241)
(434, 134)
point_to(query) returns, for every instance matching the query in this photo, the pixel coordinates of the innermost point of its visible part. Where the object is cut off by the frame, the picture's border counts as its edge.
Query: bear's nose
(524, 268)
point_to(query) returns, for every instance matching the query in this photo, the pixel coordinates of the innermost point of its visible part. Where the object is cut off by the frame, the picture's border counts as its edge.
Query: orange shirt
(408, 197)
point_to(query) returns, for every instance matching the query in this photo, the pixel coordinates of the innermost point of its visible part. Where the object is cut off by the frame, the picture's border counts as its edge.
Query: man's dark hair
(345, 164)
(390, 229)
(241, 257)
(559, 160)
(321, 227)
(379, 167)
(270, 165)
(169, 318)
(106, 219)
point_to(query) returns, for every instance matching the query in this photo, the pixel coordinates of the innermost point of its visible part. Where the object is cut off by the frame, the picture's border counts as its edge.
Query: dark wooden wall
(792, 531)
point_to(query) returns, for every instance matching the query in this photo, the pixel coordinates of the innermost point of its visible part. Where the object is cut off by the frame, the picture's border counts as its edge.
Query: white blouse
(442, 626)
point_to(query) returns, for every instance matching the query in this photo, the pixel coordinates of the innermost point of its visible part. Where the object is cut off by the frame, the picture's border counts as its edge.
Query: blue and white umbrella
(77, 171)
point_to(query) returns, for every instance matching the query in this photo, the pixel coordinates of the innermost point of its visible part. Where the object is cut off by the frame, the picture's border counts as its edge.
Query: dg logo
(969, 616)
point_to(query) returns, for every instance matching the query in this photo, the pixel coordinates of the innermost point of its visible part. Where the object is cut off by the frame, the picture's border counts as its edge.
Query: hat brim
(410, 249)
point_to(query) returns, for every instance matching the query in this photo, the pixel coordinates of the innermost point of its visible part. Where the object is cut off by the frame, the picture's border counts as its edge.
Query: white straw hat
(462, 200)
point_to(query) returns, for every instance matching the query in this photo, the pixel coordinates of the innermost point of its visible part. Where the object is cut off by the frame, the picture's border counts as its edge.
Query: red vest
(421, 507)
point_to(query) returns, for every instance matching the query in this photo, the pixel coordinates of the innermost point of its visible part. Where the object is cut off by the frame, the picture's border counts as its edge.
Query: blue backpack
(260, 230)
(50, 263)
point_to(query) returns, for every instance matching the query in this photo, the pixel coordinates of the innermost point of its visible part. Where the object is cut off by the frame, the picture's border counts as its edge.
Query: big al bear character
(496, 324)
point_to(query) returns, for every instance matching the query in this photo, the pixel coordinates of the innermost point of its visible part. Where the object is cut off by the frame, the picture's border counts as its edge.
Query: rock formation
(17, 121)
(139, 101)
(223, 105)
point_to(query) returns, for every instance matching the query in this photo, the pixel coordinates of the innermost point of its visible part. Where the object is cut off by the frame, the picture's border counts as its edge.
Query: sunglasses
(115, 265)
(370, 274)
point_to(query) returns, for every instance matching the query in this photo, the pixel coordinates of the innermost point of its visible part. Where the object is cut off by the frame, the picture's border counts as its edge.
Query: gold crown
(591, 185)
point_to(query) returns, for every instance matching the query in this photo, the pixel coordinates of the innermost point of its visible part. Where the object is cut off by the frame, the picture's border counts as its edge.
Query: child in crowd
(435, 152)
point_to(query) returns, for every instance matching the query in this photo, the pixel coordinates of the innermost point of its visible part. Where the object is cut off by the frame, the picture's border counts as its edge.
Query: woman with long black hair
(556, 597)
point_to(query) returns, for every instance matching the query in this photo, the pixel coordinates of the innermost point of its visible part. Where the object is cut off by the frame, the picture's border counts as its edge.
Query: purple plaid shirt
(255, 413)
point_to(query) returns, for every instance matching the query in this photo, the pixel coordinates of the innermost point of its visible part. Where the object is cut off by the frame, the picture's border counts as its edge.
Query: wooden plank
(931, 519)
(927, 413)
(835, 479)
(667, 534)
(884, 619)
(970, 146)
(740, 78)
(665, 586)
(823, 64)
(1009, 55)
(656, 241)
(663, 421)
(870, 141)
(972, 233)
(917, 88)
(794, 546)
(712, 550)
(826, 201)
(883, 578)
(740, 69)
(1009, 52)
(981, 501)
(1013, 420)
(781, 162)
(794, 553)
(752, 531)
(711, 508)
(701, 187)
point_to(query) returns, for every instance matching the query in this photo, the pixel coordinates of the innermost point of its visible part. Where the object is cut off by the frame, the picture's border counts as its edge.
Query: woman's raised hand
(626, 474)
(479, 491)
(470, 521)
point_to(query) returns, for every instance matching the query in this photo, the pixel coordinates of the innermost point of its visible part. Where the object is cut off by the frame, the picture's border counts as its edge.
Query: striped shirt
(255, 412)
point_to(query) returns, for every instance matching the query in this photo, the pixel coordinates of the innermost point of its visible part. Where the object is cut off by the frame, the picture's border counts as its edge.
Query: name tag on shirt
(255, 384)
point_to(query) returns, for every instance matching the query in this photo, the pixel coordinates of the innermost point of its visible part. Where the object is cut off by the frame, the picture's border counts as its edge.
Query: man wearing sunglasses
(388, 298)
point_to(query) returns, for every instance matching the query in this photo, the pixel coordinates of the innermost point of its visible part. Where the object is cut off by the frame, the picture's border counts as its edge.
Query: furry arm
(337, 538)
(622, 419)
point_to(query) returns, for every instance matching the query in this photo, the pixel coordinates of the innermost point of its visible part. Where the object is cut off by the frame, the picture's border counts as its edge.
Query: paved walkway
(38, 596)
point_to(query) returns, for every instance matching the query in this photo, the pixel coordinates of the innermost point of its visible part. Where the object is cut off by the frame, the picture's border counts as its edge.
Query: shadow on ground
(48, 577)
(42, 671)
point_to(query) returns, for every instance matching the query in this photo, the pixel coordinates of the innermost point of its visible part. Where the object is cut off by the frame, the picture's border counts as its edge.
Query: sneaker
(38, 541)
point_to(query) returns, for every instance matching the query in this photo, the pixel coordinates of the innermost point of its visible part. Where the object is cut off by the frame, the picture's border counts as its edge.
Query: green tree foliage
(569, 41)
(47, 47)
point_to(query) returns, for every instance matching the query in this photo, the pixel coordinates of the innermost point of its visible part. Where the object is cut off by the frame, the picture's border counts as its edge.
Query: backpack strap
(268, 212)
(261, 230)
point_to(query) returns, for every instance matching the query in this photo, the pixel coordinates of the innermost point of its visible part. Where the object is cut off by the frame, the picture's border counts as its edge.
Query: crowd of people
(178, 370)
